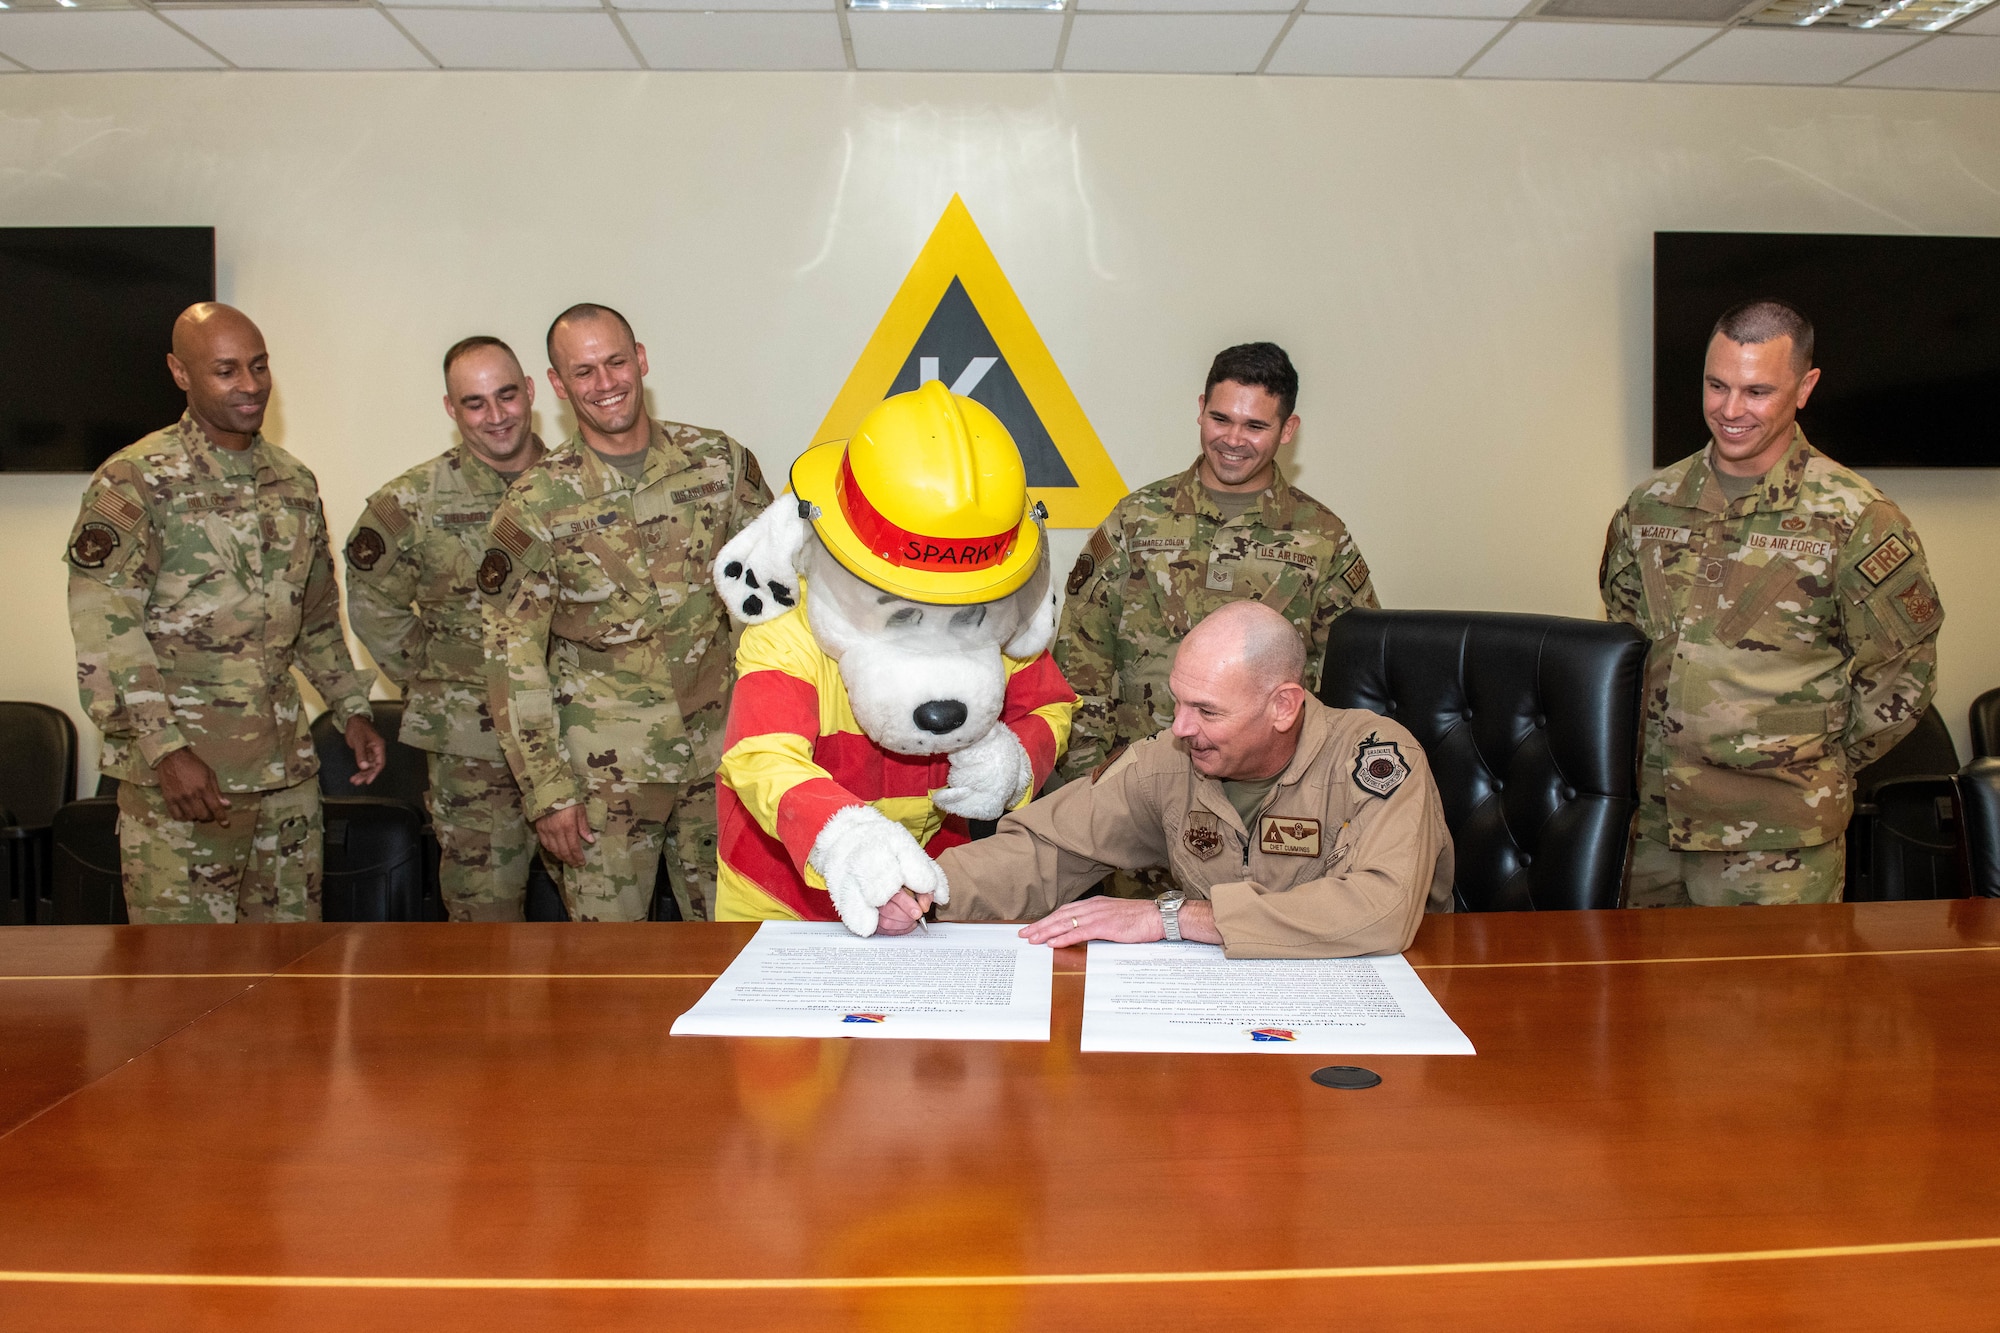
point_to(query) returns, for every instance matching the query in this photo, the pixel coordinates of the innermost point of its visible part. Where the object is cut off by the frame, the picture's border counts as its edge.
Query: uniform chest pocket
(1769, 594)
(600, 598)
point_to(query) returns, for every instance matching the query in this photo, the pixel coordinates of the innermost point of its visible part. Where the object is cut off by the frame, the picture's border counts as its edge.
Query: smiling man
(1285, 829)
(608, 654)
(199, 578)
(1794, 627)
(413, 598)
(1229, 529)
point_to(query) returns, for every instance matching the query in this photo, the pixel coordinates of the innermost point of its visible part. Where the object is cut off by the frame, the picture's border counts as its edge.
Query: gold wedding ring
(1072, 923)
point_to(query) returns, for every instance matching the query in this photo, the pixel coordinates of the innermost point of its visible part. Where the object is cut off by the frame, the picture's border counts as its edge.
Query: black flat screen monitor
(1907, 327)
(83, 346)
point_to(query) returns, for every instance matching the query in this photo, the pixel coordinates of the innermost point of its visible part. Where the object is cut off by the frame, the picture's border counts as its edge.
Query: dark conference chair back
(1984, 717)
(373, 866)
(1531, 725)
(37, 774)
(87, 890)
(1912, 844)
(1927, 752)
(1979, 806)
(405, 778)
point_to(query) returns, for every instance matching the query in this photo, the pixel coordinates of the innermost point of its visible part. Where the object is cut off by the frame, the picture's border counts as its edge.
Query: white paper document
(816, 979)
(1188, 997)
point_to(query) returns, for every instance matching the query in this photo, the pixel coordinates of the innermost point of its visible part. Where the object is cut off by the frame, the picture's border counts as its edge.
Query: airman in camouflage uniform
(200, 577)
(609, 656)
(412, 597)
(1794, 639)
(1169, 555)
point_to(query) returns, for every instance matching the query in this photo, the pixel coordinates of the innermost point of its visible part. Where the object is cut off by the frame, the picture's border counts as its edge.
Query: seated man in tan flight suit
(1291, 830)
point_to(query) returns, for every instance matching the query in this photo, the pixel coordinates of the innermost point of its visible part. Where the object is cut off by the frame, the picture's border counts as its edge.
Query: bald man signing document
(1291, 830)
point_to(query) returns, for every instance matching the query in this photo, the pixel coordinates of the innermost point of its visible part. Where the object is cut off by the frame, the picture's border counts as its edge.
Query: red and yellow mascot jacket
(794, 754)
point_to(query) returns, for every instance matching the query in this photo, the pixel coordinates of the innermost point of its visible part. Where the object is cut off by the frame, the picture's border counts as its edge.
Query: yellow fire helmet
(929, 500)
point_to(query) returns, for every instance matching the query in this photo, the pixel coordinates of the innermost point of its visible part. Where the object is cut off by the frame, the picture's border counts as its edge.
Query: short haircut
(1765, 318)
(587, 310)
(473, 344)
(1263, 365)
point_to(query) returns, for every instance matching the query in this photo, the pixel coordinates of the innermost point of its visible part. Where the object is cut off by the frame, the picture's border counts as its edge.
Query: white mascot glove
(756, 572)
(987, 776)
(865, 857)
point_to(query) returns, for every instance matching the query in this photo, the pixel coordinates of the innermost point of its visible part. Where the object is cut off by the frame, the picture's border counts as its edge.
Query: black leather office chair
(1979, 819)
(373, 863)
(405, 778)
(37, 775)
(1531, 725)
(85, 886)
(1984, 720)
(1900, 850)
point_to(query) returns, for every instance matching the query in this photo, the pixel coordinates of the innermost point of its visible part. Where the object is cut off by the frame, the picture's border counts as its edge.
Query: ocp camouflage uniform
(199, 578)
(609, 656)
(1794, 641)
(1160, 563)
(412, 597)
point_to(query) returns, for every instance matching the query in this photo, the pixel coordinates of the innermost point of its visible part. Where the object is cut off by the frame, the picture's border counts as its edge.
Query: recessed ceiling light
(67, 4)
(956, 4)
(1918, 15)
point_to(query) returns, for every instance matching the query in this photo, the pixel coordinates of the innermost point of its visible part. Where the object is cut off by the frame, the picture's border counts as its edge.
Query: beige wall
(1461, 270)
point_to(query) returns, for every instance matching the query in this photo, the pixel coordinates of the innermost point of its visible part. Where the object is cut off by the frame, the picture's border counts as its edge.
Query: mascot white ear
(1039, 632)
(757, 573)
(865, 857)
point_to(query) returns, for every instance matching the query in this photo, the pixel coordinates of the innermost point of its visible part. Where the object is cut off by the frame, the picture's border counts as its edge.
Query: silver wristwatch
(1169, 904)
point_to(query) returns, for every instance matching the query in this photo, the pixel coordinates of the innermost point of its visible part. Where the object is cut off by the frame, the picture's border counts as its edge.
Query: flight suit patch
(365, 548)
(1202, 834)
(93, 545)
(1379, 767)
(1885, 560)
(493, 571)
(1356, 575)
(1282, 836)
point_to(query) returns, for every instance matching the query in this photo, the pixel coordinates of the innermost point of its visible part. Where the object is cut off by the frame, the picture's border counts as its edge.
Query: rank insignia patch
(1379, 767)
(93, 545)
(493, 571)
(1289, 837)
(1202, 834)
(365, 549)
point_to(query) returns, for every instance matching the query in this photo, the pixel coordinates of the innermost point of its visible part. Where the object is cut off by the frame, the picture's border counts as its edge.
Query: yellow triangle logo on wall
(956, 319)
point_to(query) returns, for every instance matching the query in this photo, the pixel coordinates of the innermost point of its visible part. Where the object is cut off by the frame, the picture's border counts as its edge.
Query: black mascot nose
(940, 716)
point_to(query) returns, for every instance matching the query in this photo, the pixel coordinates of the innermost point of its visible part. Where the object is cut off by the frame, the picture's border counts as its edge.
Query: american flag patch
(389, 514)
(508, 533)
(120, 510)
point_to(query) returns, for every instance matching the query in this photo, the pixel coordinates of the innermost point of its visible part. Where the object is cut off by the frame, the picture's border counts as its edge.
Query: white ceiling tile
(1986, 23)
(1455, 9)
(738, 41)
(721, 6)
(1773, 55)
(493, 4)
(1587, 51)
(1184, 6)
(1968, 63)
(504, 39)
(98, 39)
(303, 38)
(1391, 47)
(1171, 43)
(985, 41)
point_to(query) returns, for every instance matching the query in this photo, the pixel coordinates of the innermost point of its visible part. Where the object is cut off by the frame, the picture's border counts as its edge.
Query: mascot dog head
(925, 562)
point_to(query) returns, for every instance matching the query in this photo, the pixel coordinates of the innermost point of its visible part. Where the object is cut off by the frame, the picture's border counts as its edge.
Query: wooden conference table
(1769, 1118)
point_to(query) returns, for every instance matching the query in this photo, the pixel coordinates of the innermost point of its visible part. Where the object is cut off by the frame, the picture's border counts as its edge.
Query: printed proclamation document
(817, 979)
(1188, 997)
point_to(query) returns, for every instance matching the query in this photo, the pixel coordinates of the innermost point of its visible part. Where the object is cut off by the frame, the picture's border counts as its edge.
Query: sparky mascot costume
(893, 678)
